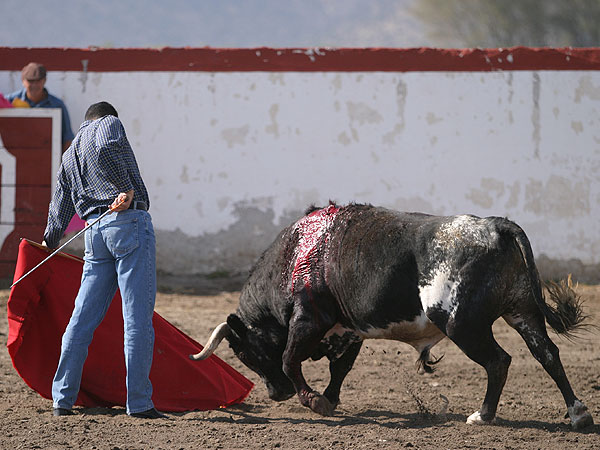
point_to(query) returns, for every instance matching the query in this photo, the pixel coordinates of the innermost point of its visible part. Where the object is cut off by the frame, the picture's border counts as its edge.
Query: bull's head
(259, 348)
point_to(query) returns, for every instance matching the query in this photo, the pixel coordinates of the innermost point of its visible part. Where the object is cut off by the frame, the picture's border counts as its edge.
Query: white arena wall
(233, 151)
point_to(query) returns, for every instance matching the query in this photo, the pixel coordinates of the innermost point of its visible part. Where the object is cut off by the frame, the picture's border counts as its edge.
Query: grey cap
(33, 71)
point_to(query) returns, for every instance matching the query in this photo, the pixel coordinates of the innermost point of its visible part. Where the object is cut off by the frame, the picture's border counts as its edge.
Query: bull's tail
(567, 316)
(569, 306)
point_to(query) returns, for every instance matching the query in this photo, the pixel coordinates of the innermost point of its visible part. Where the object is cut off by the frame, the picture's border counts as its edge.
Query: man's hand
(126, 198)
(45, 246)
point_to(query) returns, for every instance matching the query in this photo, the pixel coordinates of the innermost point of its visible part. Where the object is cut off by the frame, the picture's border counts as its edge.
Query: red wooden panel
(31, 204)
(29, 140)
(7, 269)
(26, 132)
(34, 165)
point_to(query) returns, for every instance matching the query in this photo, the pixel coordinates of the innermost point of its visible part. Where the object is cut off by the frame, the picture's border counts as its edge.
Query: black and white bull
(344, 274)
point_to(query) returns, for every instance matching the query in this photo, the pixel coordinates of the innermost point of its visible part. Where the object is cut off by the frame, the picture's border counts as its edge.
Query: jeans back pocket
(122, 236)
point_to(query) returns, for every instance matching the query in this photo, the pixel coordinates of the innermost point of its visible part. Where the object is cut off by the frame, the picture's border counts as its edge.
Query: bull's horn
(215, 339)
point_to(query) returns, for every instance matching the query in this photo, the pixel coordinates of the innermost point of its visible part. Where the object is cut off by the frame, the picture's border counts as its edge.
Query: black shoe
(62, 412)
(149, 414)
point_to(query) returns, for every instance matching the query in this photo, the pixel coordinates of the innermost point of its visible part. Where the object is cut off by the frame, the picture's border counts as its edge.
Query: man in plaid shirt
(99, 171)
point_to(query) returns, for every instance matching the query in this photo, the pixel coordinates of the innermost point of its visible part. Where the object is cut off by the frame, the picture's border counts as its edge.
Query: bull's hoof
(582, 422)
(333, 399)
(321, 405)
(476, 419)
(580, 417)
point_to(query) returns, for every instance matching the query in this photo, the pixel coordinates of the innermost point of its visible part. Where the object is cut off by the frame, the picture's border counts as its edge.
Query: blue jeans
(120, 251)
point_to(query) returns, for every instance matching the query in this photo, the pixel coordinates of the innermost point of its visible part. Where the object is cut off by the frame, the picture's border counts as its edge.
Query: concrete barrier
(235, 144)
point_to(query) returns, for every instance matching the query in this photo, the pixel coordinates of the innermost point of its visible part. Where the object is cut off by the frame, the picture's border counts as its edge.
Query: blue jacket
(49, 102)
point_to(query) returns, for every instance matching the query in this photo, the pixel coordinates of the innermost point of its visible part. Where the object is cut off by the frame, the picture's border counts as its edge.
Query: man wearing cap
(35, 95)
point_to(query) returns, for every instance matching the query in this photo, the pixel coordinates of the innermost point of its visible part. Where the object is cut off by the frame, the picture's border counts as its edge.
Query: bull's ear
(237, 325)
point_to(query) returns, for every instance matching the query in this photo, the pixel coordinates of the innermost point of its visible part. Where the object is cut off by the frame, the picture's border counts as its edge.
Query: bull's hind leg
(533, 332)
(465, 320)
(485, 351)
(477, 342)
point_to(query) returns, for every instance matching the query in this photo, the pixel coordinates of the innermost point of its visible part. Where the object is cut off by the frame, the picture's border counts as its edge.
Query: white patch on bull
(518, 323)
(476, 419)
(341, 332)
(441, 292)
(533, 338)
(420, 333)
(466, 229)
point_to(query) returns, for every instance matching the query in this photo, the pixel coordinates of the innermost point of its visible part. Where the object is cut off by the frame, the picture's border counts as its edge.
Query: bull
(343, 274)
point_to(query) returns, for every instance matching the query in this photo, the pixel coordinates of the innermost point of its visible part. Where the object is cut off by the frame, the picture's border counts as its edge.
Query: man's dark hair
(100, 109)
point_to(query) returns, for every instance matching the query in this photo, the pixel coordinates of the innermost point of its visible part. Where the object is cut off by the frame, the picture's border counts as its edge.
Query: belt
(134, 205)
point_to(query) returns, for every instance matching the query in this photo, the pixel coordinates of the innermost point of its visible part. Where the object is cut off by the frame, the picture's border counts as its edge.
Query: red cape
(39, 308)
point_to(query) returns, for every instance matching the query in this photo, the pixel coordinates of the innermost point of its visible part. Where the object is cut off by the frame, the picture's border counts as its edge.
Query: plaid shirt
(97, 166)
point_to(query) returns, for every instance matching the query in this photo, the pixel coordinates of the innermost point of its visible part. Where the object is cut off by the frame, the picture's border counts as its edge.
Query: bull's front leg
(339, 368)
(304, 336)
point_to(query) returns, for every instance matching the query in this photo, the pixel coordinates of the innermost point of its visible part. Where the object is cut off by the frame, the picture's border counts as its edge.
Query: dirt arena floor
(384, 402)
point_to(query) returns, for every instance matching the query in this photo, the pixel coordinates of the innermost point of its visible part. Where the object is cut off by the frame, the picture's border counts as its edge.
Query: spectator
(35, 95)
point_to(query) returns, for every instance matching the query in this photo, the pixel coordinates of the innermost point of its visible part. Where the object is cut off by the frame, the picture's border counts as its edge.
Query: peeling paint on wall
(431, 118)
(390, 138)
(587, 88)
(513, 200)
(273, 127)
(577, 126)
(235, 136)
(233, 157)
(558, 197)
(510, 95)
(401, 93)
(277, 78)
(535, 114)
(363, 114)
(336, 83)
(485, 196)
(84, 73)
(184, 178)
(344, 139)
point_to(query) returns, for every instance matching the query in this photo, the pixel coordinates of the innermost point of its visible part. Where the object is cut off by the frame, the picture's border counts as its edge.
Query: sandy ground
(384, 403)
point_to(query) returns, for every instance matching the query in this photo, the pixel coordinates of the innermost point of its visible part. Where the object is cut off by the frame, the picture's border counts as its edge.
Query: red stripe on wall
(302, 60)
